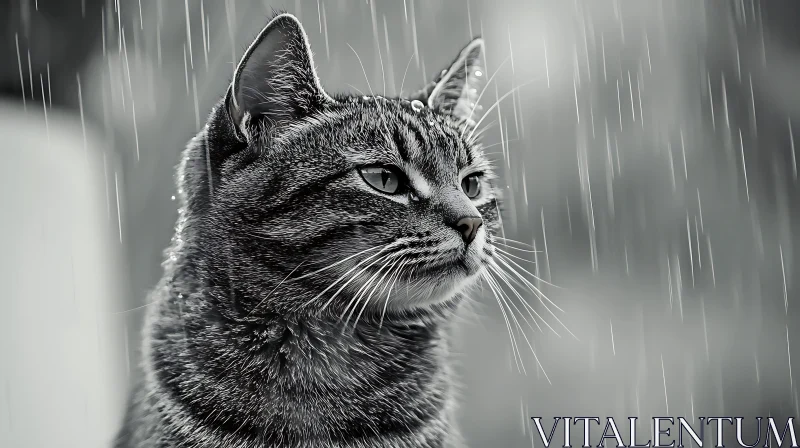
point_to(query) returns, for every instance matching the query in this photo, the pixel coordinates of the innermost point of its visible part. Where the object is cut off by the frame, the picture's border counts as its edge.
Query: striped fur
(247, 344)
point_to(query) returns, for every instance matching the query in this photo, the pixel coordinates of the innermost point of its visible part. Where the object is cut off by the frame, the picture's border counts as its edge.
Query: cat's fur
(246, 345)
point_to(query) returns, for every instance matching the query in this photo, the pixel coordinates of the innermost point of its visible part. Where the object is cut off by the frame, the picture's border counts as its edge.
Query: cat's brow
(400, 144)
(417, 142)
(419, 182)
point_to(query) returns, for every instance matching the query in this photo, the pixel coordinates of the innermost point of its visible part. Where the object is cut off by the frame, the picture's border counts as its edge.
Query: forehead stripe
(401, 144)
(419, 136)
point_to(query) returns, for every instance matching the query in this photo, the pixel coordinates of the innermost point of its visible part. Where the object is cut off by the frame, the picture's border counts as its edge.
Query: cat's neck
(277, 377)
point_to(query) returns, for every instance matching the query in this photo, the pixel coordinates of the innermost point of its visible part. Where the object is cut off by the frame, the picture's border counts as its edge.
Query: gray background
(646, 154)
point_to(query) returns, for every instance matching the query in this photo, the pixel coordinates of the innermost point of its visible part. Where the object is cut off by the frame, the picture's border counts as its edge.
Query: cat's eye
(471, 185)
(386, 179)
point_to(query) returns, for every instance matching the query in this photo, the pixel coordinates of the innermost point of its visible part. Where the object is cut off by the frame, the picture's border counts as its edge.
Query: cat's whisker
(510, 301)
(399, 263)
(371, 92)
(478, 100)
(479, 133)
(502, 256)
(514, 241)
(509, 247)
(508, 254)
(136, 308)
(484, 148)
(410, 282)
(537, 292)
(531, 311)
(366, 301)
(355, 88)
(341, 288)
(380, 58)
(496, 269)
(403, 82)
(357, 297)
(343, 276)
(496, 103)
(337, 263)
(275, 288)
(501, 295)
(514, 347)
(396, 276)
(398, 253)
(536, 357)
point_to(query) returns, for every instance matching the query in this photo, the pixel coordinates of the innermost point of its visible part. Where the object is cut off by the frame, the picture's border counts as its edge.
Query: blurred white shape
(62, 380)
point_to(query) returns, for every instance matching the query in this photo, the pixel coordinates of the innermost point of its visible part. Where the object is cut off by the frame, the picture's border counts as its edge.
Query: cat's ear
(456, 89)
(275, 81)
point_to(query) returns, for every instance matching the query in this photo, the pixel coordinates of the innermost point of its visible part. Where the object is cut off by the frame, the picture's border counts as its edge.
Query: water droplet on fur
(417, 105)
(172, 198)
(478, 73)
(366, 98)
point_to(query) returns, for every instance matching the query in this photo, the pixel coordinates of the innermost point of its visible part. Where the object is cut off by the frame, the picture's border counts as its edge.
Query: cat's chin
(439, 286)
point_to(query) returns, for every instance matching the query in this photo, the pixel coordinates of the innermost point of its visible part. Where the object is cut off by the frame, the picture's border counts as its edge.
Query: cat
(323, 246)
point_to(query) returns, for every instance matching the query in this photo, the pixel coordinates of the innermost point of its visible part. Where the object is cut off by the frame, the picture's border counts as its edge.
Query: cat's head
(328, 201)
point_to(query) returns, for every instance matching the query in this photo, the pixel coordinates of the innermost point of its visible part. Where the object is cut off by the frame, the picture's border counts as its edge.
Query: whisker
(527, 340)
(346, 283)
(356, 89)
(514, 348)
(410, 276)
(538, 293)
(485, 87)
(383, 73)
(362, 69)
(362, 291)
(137, 308)
(346, 273)
(526, 283)
(391, 286)
(355, 299)
(403, 82)
(525, 303)
(369, 297)
(502, 255)
(275, 288)
(514, 241)
(513, 256)
(474, 139)
(496, 243)
(398, 253)
(337, 263)
(484, 148)
(496, 103)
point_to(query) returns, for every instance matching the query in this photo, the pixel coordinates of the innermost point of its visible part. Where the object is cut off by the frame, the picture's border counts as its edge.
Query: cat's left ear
(456, 89)
(275, 82)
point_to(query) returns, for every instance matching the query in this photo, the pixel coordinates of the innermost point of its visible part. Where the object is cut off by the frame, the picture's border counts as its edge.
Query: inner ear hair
(276, 81)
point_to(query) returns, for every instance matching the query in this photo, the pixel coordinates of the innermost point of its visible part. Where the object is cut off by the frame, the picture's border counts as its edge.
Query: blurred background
(647, 156)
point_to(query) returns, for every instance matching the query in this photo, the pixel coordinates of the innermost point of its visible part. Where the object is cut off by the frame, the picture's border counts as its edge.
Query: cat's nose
(468, 227)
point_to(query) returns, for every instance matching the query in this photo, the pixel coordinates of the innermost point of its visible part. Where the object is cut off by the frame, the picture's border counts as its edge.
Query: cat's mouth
(430, 273)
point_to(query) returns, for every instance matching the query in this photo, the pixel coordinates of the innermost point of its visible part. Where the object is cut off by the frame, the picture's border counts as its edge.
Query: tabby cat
(324, 244)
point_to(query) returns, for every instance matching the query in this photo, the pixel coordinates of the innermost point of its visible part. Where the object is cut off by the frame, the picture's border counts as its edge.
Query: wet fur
(239, 350)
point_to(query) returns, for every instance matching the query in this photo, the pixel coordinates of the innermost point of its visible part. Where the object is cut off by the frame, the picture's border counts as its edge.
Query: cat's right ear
(275, 82)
